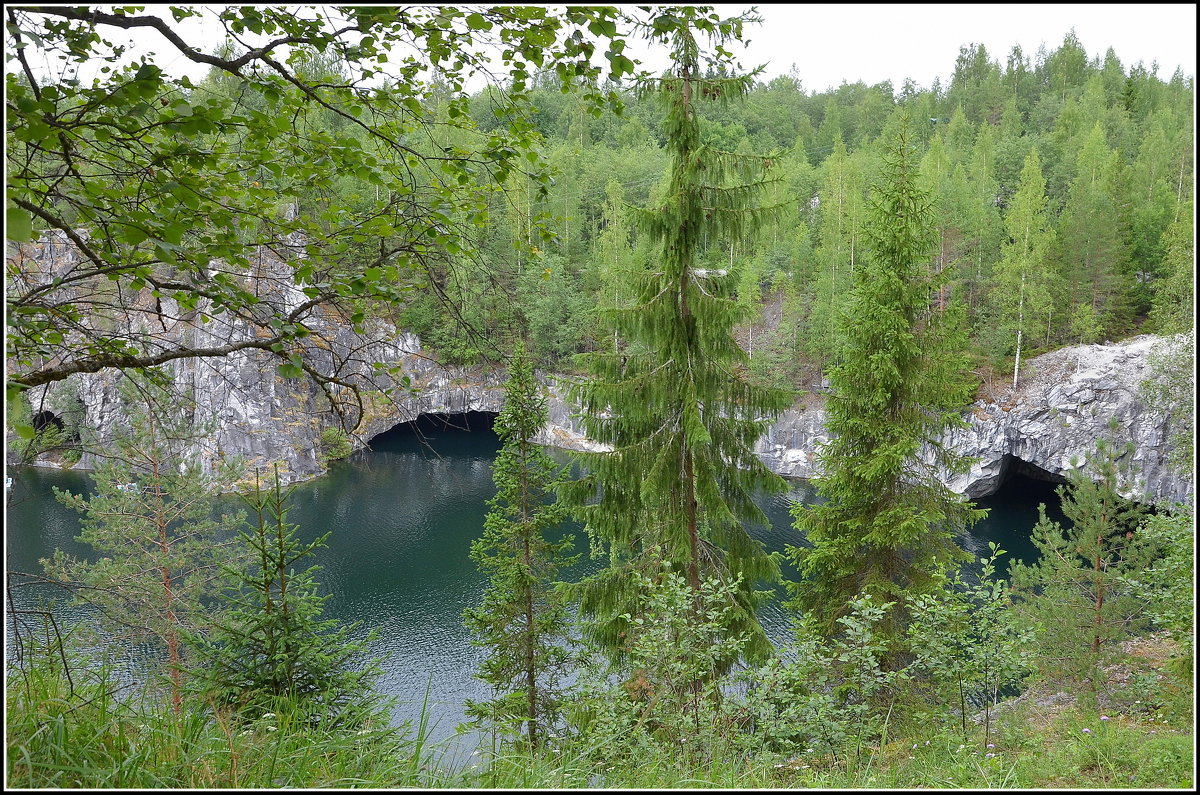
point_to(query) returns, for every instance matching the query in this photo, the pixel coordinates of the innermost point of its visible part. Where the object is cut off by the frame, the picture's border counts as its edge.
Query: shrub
(335, 444)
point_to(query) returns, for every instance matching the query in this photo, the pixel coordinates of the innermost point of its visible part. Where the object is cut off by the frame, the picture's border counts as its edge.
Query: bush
(967, 640)
(669, 702)
(822, 696)
(335, 444)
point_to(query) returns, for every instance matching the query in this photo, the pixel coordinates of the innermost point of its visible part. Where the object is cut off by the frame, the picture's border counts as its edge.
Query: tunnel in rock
(432, 424)
(1012, 466)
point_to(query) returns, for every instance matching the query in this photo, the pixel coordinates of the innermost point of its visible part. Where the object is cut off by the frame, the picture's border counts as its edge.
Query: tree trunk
(1020, 328)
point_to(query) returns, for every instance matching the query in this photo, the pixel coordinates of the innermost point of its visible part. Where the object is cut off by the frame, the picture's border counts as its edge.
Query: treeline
(1107, 148)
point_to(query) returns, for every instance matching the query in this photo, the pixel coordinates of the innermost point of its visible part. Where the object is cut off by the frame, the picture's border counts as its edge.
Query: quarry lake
(402, 517)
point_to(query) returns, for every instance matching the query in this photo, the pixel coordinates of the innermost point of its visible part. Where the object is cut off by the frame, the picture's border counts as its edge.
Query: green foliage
(887, 524)
(168, 190)
(673, 401)
(422, 204)
(1170, 389)
(969, 642)
(841, 216)
(32, 441)
(1085, 326)
(270, 650)
(559, 315)
(335, 444)
(668, 700)
(76, 733)
(1174, 300)
(523, 618)
(1094, 252)
(830, 697)
(1076, 593)
(1167, 584)
(84, 730)
(1024, 284)
(151, 522)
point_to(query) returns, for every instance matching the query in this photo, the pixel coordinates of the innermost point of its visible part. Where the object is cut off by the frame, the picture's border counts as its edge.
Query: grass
(85, 737)
(64, 737)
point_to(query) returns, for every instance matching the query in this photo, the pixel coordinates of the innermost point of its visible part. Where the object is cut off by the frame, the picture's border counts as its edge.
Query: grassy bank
(79, 734)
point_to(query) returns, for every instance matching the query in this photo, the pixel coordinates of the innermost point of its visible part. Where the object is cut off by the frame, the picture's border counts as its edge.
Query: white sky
(875, 42)
(832, 43)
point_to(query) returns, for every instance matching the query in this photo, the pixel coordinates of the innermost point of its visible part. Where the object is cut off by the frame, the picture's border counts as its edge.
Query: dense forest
(1101, 251)
(691, 250)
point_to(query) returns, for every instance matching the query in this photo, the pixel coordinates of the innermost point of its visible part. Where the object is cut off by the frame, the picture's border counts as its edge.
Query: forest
(692, 252)
(1085, 162)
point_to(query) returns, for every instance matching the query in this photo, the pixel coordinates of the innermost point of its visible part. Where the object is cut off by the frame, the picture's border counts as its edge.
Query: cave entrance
(1011, 466)
(48, 422)
(468, 433)
(47, 419)
(1013, 511)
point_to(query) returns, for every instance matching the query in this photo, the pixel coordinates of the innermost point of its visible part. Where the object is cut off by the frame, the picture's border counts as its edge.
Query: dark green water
(402, 517)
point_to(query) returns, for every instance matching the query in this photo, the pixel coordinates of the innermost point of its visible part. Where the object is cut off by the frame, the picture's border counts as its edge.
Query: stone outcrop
(1069, 399)
(1048, 425)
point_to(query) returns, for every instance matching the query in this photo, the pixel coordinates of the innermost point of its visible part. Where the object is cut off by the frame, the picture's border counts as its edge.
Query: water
(402, 517)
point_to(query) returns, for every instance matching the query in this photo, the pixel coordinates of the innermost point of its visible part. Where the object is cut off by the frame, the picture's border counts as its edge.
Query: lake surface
(402, 517)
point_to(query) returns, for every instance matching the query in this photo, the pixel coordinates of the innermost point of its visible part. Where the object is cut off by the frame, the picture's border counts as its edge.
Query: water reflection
(402, 517)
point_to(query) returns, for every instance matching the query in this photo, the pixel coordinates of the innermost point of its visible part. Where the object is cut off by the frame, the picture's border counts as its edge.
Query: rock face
(1047, 426)
(1052, 420)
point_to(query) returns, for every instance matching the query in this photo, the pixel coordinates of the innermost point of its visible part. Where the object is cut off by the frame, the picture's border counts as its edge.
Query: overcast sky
(830, 44)
(875, 42)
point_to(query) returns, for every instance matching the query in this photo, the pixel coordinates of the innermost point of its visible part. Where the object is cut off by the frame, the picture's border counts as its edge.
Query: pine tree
(151, 522)
(1076, 591)
(1092, 245)
(523, 619)
(613, 254)
(1023, 279)
(1174, 294)
(271, 650)
(840, 211)
(887, 524)
(675, 403)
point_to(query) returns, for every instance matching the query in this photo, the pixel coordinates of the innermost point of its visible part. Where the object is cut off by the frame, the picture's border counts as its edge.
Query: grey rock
(1048, 424)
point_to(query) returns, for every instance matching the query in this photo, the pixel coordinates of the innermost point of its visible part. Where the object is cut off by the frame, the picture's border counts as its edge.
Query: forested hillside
(1063, 189)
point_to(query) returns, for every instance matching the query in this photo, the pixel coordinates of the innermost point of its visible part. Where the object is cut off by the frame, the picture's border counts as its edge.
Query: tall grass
(88, 735)
(63, 737)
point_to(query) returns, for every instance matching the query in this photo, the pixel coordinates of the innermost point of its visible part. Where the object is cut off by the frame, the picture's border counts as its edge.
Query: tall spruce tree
(675, 403)
(523, 619)
(887, 524)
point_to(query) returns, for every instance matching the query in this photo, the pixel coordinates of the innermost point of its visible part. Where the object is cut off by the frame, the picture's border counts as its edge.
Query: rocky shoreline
(1047, 426)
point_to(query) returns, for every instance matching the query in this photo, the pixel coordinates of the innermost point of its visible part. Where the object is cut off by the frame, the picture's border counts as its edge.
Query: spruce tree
(523, 619)
(887, 523)
(674, 403)
(271, 650)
